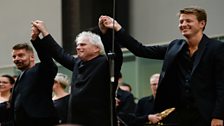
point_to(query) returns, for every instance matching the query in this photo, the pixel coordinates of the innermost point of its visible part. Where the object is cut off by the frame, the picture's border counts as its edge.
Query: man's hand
(117, 102)
(154, 118)
(103, 29)
(41, 27)
(34, 33)
(108, 22)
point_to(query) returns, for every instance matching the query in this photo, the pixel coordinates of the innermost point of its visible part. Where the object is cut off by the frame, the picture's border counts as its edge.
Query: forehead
(83, 41)
(17, 51)
(154, 81)
(4, 78)
(187, 16)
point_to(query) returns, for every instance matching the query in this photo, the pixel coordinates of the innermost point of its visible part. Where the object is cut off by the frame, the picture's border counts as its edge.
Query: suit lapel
(201, 48)
(15, 88)
(175, 49)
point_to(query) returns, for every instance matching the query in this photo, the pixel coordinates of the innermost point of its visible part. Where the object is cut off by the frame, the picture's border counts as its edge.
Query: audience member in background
(125, 87)
(144, 109)
(61, 96)
(125, 103)
(6, 84)
(32, 94)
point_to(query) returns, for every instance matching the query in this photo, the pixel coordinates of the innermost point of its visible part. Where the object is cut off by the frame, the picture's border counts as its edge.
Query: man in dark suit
(89, 103)
(125, 105)
(126, 101)
(144, 109)
(32, 94)
(192, 76)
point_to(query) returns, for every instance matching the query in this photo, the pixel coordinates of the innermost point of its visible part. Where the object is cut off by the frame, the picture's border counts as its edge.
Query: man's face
(154, 85)
(189, 26)
(86, 50)
(23, 59)
(125, 88)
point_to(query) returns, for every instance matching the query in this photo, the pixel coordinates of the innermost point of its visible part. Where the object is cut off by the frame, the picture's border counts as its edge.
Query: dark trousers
(21, 118)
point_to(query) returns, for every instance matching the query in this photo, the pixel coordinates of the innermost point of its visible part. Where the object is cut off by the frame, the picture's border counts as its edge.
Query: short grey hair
(92, 38)
(154, 76)
(62, 79)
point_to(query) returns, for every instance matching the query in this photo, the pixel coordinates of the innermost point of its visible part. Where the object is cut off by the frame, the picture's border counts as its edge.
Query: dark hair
(25, 46)
(127, 85)
(11, 79)
(197, 11)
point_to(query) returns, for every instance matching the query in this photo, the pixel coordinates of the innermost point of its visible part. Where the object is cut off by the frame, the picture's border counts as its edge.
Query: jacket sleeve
(218, 111)
(108, 45)
(138, 49)
(45, 59)
(57, 52)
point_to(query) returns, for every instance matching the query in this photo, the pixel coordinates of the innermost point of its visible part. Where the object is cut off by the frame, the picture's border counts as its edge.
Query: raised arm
(41, 52)
(51, 46)
(106, 36)
(137, 48)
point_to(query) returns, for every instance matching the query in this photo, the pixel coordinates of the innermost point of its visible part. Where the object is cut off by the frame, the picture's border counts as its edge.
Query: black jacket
(90, 88)
(33, 89)
(207, 76)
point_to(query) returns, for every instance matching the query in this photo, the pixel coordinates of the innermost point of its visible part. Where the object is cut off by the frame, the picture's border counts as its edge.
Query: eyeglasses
(4, 82)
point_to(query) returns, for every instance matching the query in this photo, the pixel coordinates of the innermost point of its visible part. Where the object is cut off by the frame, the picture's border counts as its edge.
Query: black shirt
(184, 69)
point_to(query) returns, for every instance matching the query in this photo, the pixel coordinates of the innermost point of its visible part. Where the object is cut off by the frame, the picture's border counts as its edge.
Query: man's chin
(20, 67)
(185, 35)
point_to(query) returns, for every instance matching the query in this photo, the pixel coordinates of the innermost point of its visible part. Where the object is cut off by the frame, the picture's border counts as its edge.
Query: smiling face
(86, 50)
(5, 85)
(192, 21)
(154, 84)
(189, 25)
(23, 59)
(89, 45)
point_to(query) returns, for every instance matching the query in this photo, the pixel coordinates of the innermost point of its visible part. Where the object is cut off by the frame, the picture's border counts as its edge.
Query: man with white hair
(144, 109)
(89, 102)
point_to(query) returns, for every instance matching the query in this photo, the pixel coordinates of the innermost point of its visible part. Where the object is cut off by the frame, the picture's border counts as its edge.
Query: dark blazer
(61, 105)
(89, 102)
(207, 76)
(4, 113)
(127, 101)
(140, 117)
(145, 106)
(32, 92)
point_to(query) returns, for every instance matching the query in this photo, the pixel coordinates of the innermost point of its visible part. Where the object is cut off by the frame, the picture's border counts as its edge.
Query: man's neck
(193, 42)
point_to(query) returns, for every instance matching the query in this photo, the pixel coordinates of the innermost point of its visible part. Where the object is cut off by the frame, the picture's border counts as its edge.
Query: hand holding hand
(34, 33)
(103, 29)
(41, 27)
(106, 22)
